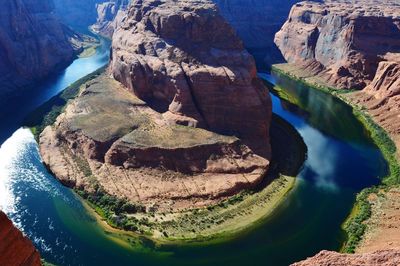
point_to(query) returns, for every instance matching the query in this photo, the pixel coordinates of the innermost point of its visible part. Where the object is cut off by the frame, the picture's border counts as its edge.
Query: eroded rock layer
(33, 43)
(187, 124)
(349, 45)
(186, 62)
(109, 16)
(15, 248)
(109, 138)
(341, 41)
(256, 22)
(378, 258)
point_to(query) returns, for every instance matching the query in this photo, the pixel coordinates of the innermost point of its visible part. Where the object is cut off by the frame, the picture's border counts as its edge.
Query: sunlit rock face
(256, 22)
(350, 45)
(181, 112)
(188, 60)
(15, 249)
(342, 41)
(33, 43)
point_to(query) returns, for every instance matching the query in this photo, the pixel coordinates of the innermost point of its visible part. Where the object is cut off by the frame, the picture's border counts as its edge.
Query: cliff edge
(15, 249)
(182, 122)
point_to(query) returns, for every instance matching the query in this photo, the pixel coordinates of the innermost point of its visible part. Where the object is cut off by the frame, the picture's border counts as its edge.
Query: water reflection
(341, 161)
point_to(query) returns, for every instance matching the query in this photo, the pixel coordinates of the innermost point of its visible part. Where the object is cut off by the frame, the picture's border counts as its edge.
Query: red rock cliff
(184, 59)
(15, 249)
(341, 41)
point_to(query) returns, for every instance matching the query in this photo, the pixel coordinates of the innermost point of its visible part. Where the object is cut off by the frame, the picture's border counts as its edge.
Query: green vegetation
(47, 113)
(355, 225)
(114, 210)
(214, 223)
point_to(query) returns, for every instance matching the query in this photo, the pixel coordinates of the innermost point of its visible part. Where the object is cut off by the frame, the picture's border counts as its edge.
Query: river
(342, 160)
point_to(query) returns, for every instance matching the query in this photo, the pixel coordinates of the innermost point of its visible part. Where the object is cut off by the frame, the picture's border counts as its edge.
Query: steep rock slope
(341, 41)
(189, 64)
(15, 249)
(33, 43)
(109, 16)
(378, 258)
(188, 124)
(256, 22)
(349, 45)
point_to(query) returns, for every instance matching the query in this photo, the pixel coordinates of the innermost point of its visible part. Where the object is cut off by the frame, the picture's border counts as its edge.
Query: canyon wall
(192, 66)
(15, 249)
(353, 45)
(343, 42)
(33, 43)
(256, 22)
(109, 16)
(183, 123)
(350, 45)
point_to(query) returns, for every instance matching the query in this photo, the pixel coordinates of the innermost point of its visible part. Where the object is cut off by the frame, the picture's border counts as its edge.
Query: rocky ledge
(15, 248)
(183, 123)
(342, 41)
(378, 258)
(349, 45)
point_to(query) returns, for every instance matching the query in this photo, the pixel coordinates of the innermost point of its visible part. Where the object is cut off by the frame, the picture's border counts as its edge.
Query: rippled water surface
(341, 161)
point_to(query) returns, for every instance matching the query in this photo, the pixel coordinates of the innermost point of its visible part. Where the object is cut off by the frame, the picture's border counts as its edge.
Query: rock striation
(343, 41)
(378, 258)
(349, 45)
(33, 43)
(187, 62)
(15, 249)
(255, 21)
(109, 16)
(183, 121)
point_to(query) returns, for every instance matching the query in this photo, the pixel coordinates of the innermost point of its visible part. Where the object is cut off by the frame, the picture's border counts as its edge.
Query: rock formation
(341, 41)
(256, 22)
(33, 43)
(186, 125)
(350, 45)
(109, 16)
(15, 249)
(330, 258)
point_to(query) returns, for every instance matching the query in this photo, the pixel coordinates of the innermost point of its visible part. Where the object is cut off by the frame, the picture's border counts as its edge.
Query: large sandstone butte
(15, 248)
(184, 121)
(330, 258)
(33, 43)
(256, 22)
(349, 45)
